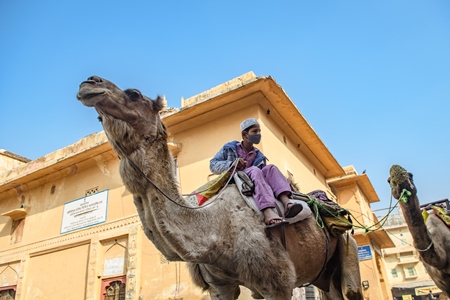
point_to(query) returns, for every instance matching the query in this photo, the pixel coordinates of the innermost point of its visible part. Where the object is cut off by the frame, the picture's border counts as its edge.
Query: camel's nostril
(95, 78)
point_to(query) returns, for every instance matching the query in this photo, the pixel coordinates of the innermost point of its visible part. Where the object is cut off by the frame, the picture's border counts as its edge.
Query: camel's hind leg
(346, 280)
(350, 281)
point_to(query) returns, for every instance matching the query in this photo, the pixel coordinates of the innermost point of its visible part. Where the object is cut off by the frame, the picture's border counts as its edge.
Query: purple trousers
(269, 184)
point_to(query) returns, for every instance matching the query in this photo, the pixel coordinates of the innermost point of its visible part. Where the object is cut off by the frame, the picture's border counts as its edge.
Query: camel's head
(400, 180)
(127, 116)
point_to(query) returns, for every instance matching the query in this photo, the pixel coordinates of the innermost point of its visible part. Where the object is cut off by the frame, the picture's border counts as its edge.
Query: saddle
(334, 217)
(247, 187)
(243, 182)
(439, 212)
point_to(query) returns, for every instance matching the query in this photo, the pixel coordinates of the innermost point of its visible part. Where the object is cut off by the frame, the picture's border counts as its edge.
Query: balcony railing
(407, 260)
(393, 220)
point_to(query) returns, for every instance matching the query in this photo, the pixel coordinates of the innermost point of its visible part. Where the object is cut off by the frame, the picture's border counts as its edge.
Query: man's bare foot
(272, 219)
(276, 222)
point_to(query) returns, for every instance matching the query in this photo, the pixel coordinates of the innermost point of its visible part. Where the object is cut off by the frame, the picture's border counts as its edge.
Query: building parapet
(14, 156)
(220, 89)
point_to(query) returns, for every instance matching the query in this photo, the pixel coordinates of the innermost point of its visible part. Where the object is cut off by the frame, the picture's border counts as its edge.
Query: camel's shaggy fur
(433, 237)
(225, 243)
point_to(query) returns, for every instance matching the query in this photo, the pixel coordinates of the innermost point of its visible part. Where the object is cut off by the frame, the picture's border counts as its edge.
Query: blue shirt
(228, 154)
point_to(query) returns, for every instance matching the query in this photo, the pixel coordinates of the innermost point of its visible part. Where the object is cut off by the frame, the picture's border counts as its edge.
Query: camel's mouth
(89, 96)
(90, 99)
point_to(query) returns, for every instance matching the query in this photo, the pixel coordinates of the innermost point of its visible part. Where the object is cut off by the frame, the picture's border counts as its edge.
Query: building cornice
(14, 156)
(247, 90)
(59, 163)
(362, 181)
(71, 238)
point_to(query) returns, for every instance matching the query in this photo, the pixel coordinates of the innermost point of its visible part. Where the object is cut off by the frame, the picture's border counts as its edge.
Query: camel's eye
(134, 95)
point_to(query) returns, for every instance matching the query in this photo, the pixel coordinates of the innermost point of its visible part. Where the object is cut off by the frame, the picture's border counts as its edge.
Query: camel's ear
(159, 103)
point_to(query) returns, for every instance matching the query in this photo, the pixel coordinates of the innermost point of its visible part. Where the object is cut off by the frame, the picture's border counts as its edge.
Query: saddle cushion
(211, 188)
(440, 213)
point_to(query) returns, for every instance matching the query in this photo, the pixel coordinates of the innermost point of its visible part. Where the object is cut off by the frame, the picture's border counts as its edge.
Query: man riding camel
(268, 180)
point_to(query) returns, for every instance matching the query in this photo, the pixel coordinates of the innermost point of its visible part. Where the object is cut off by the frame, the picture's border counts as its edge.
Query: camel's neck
(167, 218)
(403, 187)
(432, 253)
(415, 222)
(146, 165)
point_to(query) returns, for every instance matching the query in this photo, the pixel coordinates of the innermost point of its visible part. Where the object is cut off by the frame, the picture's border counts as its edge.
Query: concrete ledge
(220, 89)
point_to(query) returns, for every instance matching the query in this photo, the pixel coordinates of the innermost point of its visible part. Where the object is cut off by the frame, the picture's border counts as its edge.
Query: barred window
(113, 288)
(8, 293)
(91, 191)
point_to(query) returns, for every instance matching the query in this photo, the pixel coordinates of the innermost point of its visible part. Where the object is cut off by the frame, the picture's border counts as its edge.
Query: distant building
(69, 228)
(407, 275)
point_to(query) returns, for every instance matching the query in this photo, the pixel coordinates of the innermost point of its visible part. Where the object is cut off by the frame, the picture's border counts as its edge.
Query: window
(113, 288)
(8, 292)
(91, 191)
(394, 273)
(411, 271)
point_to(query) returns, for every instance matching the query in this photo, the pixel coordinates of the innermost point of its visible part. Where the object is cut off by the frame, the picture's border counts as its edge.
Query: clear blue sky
(371, 77)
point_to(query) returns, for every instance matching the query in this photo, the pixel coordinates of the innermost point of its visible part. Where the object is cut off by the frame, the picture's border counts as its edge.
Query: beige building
(69, 229)
(355, 193)
(407, 275)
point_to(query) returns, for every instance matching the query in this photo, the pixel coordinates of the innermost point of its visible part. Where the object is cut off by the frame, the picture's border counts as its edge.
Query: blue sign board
(364, 252)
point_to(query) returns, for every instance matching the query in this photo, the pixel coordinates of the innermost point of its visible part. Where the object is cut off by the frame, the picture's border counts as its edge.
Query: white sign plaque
(84, 212)
(113, 266)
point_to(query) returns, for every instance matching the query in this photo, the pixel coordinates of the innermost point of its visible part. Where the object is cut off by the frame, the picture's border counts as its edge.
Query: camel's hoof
(398, 174)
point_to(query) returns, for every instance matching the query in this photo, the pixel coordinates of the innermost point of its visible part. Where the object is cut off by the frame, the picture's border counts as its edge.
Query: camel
(225, 243)
(432, 240)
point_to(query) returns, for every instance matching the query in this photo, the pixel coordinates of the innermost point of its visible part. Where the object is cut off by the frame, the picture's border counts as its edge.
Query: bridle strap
(139, 171)
(426, 249)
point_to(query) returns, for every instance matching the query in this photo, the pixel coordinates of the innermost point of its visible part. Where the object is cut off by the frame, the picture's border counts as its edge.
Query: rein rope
(316, 204)
(139, 171)
(312, 201)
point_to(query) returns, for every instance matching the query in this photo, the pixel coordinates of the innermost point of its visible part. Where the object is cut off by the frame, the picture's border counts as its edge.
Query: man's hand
(241, 164)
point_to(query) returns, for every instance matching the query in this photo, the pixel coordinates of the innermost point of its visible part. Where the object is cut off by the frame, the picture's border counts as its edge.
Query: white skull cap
(248, 123)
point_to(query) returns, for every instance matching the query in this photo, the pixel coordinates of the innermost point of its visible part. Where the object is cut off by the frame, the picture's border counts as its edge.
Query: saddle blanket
(330, 212)
(438, 212)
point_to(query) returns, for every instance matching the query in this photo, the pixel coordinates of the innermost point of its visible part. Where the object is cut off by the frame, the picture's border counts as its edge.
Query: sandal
(292, 210)
(273, 222)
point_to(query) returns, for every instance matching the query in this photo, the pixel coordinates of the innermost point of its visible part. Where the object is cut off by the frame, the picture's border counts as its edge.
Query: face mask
(254, 138)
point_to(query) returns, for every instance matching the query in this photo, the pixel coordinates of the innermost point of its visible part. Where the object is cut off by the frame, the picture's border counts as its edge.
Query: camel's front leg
(224, 292)
(214, 281)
